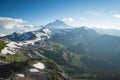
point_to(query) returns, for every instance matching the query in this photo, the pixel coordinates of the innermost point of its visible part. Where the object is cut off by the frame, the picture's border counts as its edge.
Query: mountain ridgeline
(68, 53)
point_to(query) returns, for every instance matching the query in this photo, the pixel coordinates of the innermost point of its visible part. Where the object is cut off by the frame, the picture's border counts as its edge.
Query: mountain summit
(57, 25)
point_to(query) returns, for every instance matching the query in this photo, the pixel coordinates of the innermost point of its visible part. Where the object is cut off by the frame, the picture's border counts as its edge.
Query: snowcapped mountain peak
(59, 22)
(57, 25)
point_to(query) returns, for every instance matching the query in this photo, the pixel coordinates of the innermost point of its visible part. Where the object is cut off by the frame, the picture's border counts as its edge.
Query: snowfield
(7, 50)
(14, 44)
(39, 65)
(11, 48)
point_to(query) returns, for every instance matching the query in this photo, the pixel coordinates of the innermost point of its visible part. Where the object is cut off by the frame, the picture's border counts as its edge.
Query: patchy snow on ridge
(34, 70)
(21, 75)
(39, 37)
(25, 43)
(13, 44)
(7, 50)
(11, 48)
(39, 65)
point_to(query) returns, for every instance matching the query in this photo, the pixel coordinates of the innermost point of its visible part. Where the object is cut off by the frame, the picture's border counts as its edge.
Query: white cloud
(25, 28)
(82, 18)
(116, 15)
(1, 34)
(9, 23)
(68, 19)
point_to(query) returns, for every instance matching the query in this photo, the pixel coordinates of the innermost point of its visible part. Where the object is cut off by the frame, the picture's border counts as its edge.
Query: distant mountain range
(114, 32)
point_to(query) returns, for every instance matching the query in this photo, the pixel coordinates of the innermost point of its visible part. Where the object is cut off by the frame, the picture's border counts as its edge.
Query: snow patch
(13, 44)
(34, 70)
(21, 75)
(39, 65)
(8, 50)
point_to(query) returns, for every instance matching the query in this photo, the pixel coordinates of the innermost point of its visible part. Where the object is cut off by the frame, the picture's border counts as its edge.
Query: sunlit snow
(34, 70)
(21, 75)
(11, 48)
(39, 65)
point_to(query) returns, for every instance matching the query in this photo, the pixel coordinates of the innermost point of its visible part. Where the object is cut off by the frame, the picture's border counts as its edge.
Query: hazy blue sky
(98, 13)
